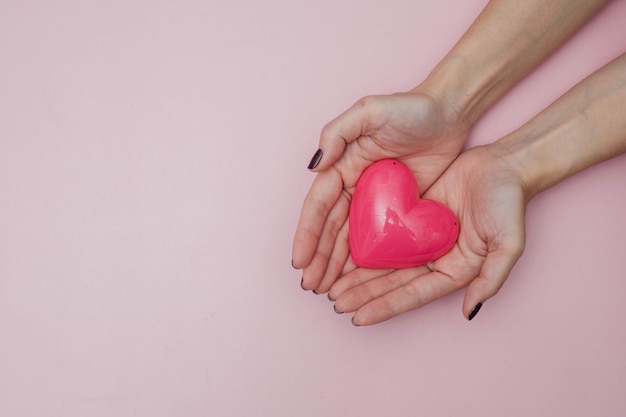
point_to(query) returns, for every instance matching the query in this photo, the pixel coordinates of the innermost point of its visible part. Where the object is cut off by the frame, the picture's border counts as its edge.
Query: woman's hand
(412, 127)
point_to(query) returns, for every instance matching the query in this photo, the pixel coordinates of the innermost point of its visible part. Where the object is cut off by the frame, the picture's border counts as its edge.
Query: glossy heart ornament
(391, 226)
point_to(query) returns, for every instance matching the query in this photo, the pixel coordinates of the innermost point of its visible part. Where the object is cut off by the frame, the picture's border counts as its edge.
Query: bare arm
(584, 127)
(507, 40)
(488, 188)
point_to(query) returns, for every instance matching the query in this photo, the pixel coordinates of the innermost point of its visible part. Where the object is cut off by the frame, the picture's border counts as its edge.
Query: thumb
(493, 273)
(343, 130)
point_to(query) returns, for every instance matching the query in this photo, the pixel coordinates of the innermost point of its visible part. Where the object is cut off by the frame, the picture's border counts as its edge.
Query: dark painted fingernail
(475, 311)
(302, 284)
(315, 292)
(337, 311)
(316, 159)
(354, 323)
(292, 265)
(330, 298)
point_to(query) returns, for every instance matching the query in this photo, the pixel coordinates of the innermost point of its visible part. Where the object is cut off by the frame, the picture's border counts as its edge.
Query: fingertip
(330, 152)
(493, 274)
(299, 256)
(306, 285)
(474, 311)
(315, 160)
(334, 138)
(479, 291)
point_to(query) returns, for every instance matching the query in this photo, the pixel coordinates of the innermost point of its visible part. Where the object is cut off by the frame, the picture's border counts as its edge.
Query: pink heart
(391, 226)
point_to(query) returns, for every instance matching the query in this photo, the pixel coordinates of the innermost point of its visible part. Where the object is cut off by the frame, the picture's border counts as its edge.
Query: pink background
(152, 169)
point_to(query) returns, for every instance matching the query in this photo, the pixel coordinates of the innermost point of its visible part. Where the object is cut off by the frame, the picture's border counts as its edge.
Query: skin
(426, 128)
(488, 188)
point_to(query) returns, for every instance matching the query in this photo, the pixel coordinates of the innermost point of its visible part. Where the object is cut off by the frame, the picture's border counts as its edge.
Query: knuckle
(326, 130)
(365, 101)
(369, 105)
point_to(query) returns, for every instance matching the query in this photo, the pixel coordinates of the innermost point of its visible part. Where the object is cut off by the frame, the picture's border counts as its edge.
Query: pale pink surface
(152, 169)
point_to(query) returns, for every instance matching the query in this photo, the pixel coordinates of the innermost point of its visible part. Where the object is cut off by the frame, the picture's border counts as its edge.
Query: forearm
(506, 41)
(584, 127)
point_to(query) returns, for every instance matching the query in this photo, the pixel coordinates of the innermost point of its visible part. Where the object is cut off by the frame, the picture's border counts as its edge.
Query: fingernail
(316, 159)
(338, 312)
(475, 311)
(315, 292)
(292, 265)
(302, 284)
(330, 298)
(354, 323)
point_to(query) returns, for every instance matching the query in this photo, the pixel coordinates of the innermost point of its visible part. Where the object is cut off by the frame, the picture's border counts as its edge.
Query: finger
(338, 258)
(348, 267)
(354, 278)
(373, 285)
(414, 294)
(337, 218)
(493, 273)
(344, 129)
(320, 200)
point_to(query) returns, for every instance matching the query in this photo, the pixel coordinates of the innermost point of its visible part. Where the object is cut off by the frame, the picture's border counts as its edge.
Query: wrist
(504, 43)
(466, 90)
(523, 160)
(448, 86)
(582, 128)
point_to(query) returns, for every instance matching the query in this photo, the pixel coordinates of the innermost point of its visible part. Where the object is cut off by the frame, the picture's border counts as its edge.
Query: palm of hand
(488, 199)
(409, 127)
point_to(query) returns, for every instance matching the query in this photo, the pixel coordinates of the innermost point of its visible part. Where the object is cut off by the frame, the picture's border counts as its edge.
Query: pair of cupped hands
(483, 186)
